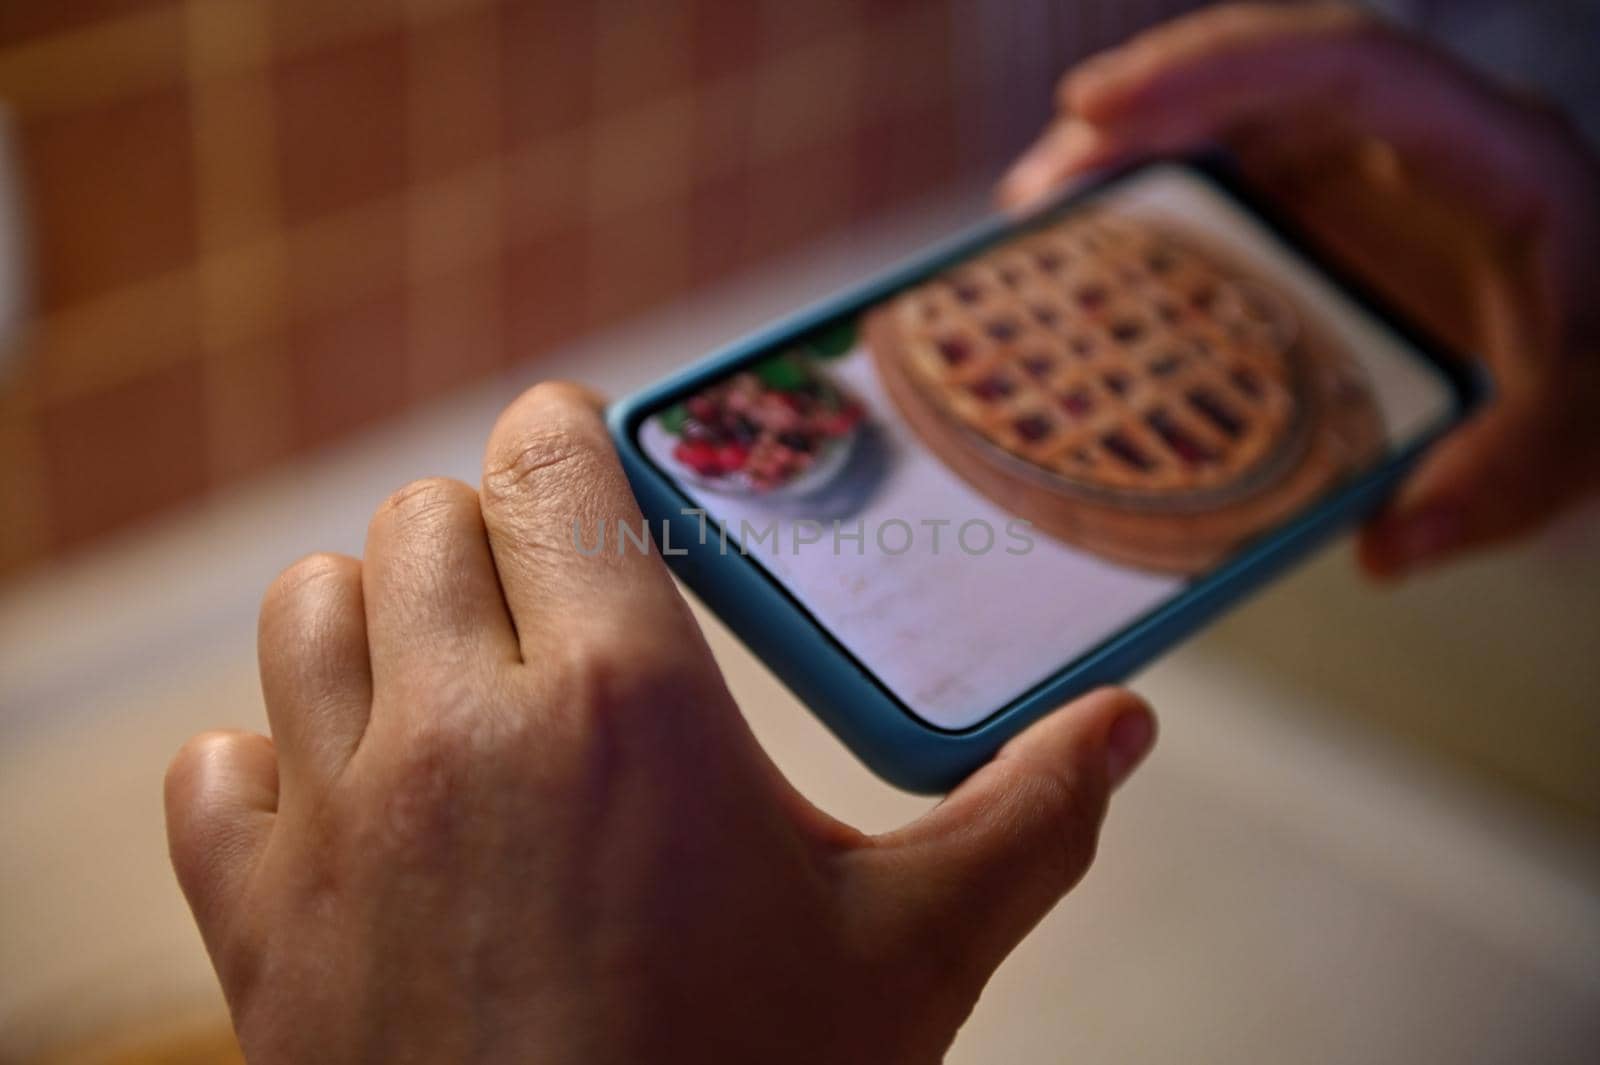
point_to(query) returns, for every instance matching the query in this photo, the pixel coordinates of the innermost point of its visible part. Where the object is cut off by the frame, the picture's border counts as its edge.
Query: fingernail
(1426, 535)
(1055, 156)
(1027, 177)
(1129, 740)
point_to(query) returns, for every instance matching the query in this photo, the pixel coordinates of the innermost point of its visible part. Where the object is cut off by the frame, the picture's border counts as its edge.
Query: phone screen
(984, 476)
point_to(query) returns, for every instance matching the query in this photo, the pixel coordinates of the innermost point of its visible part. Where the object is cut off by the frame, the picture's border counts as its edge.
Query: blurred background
(262, 261)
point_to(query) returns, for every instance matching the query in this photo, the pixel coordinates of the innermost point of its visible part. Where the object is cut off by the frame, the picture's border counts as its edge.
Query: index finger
(1182, 84)
(1200, 77)
(1108, 85)
(569, 543)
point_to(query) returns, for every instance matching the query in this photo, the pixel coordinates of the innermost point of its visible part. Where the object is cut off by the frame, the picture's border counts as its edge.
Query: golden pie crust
(1125, 389)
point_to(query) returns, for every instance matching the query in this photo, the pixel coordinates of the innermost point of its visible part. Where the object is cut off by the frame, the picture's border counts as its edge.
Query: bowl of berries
(780, 429)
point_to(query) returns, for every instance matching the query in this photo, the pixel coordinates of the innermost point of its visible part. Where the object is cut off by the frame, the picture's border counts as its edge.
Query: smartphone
(1028, 461)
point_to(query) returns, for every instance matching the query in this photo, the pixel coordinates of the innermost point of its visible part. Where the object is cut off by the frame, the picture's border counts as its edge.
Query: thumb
(221, 800)
(1001, 850)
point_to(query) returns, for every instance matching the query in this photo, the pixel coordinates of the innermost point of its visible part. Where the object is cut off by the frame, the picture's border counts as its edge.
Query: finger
(221, 798)
(1101, 127)
(1069, 147)
(1137, 74)
(1002, 849)
(1198, 78)
(315, 675)
(556, 503)
(433, 597)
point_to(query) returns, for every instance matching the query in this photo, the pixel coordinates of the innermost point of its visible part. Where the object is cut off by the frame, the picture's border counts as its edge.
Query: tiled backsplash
(261, 224)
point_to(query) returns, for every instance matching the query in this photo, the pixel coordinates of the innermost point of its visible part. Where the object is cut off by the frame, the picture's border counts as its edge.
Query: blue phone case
(872, 722)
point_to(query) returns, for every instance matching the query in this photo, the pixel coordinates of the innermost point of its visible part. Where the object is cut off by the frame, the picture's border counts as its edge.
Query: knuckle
(425, 795)
(600, 675)
(536, 453)
(422, 812)
(1071, 807)
(453, 723)
(608, 676)
(543, 453)
(424, 502)
(195, 789)
(188, 770)
(183, 771)
(550, 434)
(306, 577)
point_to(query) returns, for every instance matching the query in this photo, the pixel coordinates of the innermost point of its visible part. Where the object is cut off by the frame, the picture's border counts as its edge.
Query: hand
(1477, 212)
(509, 812)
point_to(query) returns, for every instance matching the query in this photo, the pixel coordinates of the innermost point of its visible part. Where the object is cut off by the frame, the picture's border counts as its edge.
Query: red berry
(700, 457)
(732, 457)
(842, 420)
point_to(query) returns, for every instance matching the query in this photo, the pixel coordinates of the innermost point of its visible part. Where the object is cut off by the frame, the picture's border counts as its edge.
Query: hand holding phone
(510, 812)
(1473, 208)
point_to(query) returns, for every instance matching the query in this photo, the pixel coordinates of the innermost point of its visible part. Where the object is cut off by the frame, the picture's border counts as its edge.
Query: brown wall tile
(545, 292)
(788, 25)
(238, 192)
(124, 453)
(547, 64)
(250, 421)
(797, 199)
(637, 260)
(342, 125)
(244, 293)
(112, 194)
(457, 331)
(900, 157)
(719, 215)
(23, 20)
(24, 518)
(455, 223)
(724, 117)
(107, 341)
(348, 257)
(302, 26)
(347, 367)
(910, 59)
(642, 52)
(454, 86)
(641, 156)
(547, 185)
(808, 95)
(727, 37)
(101, 63)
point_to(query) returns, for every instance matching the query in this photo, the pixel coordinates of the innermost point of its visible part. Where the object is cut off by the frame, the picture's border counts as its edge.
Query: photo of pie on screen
(1127, 389)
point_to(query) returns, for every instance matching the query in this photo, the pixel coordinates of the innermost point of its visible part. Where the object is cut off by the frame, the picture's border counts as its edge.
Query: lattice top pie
(1107, 352)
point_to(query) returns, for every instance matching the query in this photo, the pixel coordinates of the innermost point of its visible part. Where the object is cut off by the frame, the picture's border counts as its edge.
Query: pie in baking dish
(1124, 389)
